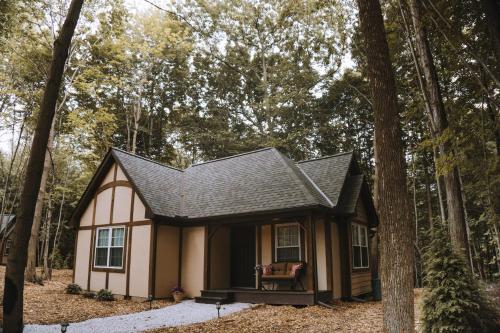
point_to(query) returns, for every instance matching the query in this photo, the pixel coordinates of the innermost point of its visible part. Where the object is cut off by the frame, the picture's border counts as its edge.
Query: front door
(243, 257)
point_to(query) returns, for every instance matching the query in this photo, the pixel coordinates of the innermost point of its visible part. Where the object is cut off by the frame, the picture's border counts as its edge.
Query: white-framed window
(109, 247)
(8, 245)
(359, 246)
(287, 242)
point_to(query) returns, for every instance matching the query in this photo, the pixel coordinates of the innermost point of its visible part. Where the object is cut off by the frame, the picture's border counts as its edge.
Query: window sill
(361, 270)
(108, 269)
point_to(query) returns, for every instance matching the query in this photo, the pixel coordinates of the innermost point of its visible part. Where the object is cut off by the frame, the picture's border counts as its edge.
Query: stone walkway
(187, 312)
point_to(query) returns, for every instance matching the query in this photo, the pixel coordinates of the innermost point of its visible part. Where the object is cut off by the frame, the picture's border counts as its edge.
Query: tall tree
(14, 276)
(440, 129)
(396, 231)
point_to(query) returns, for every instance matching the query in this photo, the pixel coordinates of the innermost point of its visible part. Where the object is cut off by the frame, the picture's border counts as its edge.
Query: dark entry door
(243, 256)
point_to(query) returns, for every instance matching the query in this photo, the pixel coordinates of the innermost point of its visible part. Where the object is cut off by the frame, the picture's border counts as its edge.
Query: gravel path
(187, 312)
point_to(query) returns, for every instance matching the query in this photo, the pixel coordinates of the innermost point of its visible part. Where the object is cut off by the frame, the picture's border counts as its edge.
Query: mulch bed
(345, 317)
(49, 304)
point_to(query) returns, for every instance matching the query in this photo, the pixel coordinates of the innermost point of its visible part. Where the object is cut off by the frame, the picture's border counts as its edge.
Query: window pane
(288, 235)
(115, 259)
(103, 237)
(356, 256)
(118, 237)
(101, 257)
(362, 231)
(288, 254)
(355, 237)
(364, 256)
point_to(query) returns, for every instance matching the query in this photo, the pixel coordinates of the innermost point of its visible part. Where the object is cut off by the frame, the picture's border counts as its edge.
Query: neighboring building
(6, 226)
(144, 227)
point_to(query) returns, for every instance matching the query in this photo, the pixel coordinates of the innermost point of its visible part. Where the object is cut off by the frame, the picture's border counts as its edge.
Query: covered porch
(235, 248)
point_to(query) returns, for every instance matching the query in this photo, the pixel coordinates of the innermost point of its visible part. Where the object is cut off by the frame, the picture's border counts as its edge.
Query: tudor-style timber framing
(173, 207)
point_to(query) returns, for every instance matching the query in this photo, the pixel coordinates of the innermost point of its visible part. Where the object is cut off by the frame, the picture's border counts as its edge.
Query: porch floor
(276, 297)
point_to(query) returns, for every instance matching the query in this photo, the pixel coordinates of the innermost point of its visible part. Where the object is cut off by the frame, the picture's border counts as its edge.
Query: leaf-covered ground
(49, 304)
(345, 317)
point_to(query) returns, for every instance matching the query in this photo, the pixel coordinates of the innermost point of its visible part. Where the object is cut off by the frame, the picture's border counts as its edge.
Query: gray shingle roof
(329, 173)
(158, 184)
(257, 181)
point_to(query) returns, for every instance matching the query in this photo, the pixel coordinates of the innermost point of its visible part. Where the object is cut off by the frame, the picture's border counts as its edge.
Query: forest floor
(49, 304)
(345, 317)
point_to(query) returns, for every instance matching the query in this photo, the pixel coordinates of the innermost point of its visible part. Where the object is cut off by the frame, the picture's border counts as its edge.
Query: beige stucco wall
(167, 260)
(97, 281)
(103, 206)
(192, 263)
(82, 258)
(220, 259)
(117, 283)
(321, 255)
(123, 200)
(267, 255)
(139, 209)
(139, 261)
(337, 270)
(110, 175)
(86, 218)
(120, 175)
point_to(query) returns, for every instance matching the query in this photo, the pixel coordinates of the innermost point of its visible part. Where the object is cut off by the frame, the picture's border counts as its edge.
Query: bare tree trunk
(59, 220)
(439, 123)
(14, 275)
(48, 222)
(137, 117)
(396, 227)
(30, 274)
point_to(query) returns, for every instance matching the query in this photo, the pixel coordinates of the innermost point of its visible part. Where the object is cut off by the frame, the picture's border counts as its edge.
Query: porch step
(217, 293)
(211, 300)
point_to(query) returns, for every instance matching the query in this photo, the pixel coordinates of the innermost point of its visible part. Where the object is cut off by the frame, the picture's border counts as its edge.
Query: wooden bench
(281, 272)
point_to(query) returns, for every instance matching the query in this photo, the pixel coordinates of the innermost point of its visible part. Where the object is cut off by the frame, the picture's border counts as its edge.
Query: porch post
(312, 223)
(258, 236)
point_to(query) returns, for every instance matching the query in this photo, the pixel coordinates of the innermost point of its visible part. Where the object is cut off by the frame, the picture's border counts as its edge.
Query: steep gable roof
(257, 181)
(329, 173)
(156, 183)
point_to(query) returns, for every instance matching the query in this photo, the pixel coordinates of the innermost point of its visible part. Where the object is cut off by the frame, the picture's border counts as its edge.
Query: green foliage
(104, 295)
(57, 260)
(452, 300)
(73, 289)
(88, 294)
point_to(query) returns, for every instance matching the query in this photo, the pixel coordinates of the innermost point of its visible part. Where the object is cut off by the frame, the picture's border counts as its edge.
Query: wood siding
(361, 280)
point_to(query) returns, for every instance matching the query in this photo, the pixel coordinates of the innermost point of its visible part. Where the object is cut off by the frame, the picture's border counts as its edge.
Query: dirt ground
(345, 317)
(49, 304)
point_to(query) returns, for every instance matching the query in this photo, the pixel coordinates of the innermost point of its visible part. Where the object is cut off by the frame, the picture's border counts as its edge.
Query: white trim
(109, 247)
(282, 247)
(365, 228)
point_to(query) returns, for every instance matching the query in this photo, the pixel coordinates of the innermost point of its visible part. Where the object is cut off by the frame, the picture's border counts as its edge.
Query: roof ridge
(146, 159)
(303, 185)
(325, 157)
(231, 156)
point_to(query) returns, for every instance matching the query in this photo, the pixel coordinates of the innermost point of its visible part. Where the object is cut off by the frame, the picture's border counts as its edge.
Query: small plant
(88, 294)
(73, 289)
(104, 295)
(177, 289)
(38, 280)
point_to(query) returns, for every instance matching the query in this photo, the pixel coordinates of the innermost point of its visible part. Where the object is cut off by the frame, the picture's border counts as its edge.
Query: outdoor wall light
(150, 300)
(217, 306)
(64, 327)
